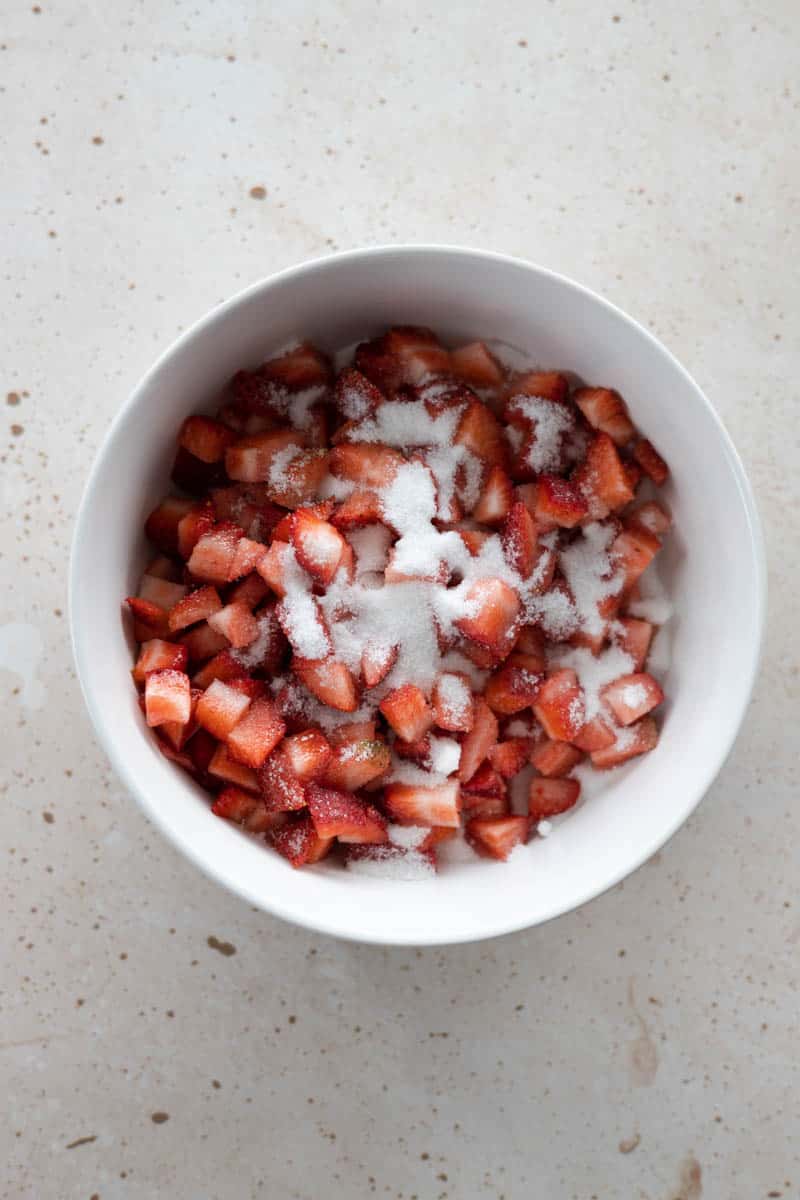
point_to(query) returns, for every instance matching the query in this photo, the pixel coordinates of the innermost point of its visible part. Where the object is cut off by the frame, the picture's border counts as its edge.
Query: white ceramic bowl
(714, 569)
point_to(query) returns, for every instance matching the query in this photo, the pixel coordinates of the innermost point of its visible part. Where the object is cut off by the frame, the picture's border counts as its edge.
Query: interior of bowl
(713, 572)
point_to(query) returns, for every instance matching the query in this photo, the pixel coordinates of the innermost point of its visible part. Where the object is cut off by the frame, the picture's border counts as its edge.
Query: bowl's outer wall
(714, 571)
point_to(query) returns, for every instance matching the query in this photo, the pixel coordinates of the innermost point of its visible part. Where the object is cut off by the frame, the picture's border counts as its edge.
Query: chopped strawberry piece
(651, 461)
(340, 814)
(242, 808)
(509, 757)
(193, 475)
(281, 788)
(161, 592)
(194, 607)
(274, 566)
(162, 567)
(205, 439)
(494, 610)
(633, 551)
(408, 712)
(161, 527)
(474, 539)
(418, 752)
(411, 804)
(486, 782)
(177, 733)
(223, 766)
(495, 500)
(308, 754)
(318, 545)
(531, 642)
(304, 625)
(150, 621)
(250, 459)
(435, 835)
(353, 731)
(650, 516)
(475, 805)
(298, 482)
(559, 707)
(257, 733)
(549, 797)
(515, 686)
(549, 385)
(355, 764)
(359, 509)
(328, 680)
(632, 741)
(522, 550)
(201, 750)
(594, 735)
(477, 366)
(418, 351)
(365, 463)
(299, 841)
(498, 836)
(321, 510)
(558, 503)
(220, 707)
(634, 637)
(377, 660)
(437, 572)
(222, 666)
(606, 411)
(213, 556)
(478, 743)
(194, 525)
(555, 759)
(246, 557)
(235, 622)
(601, 478)
(158, 655)
(167, 697)
(298, 369)
(397, 861)
(632, 696)
(354, 395)
(480, 432)
(250, 591)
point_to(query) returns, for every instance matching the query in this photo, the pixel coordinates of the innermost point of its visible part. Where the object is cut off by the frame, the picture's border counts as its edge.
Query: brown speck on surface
(292, 1020)
(643, 1052)
(81, 1141)
(158, 1118)
(258, 192)
(13, 398)
(48, 818)
(522, 42)
(616, 18)
(215, 1083)
(52, 233)
(36, 8)
(230, 58)
(224, 948)
(97, 140)
(691, 1180)
(666, 77)
(738, 197)
(628, 1145)
(17, 430)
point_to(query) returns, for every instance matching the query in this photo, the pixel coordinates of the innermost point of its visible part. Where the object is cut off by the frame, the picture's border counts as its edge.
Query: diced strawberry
(474, 539)
(318, 545)
(601, 478)
(257, 734)
(651, 461)
(633, 550)
(251, 590)
(199, 521)
(235, 622)
(411, 804)
(201, 750)
(281, 788)
(632, 696)
(477, 366)
(555, 759)
(220, 707)
(299, 841)
(193, 475)
(274, 566)
(594, 735)
(522, 550)
(634, 637)
(248, 505)
(509, 757)
(177, 733)
(161, 527)
(605, 410)
(242, 808)
(150, 621)
(340, 814)
(531, 642)
(515, 686)
(347, 564)
(418, 752)
(365, 463)
(475, 805)
(307, 753)
(498, 836)
(205, 438)
(250, 459)
(408, 712)
(302, 622)
(300, 368)
(222, 666)
(633, 474)
(559, 707)
(494, 502)
(354, 396)
(224, 766)
(550, 385)
(246, 558)
(435, 835)
(359, 509)
(194, 607)
(213, 556)
(650, 516)
(477, 744)
(558, 503)
(377, 660)
(167, 697)
(355, 764)
(391, 858)
(254, 688)
(635, 739)
(316, 426)
(161, 592)
(321, 510)
(162, 567)
(300, 479)
(328, 680)
(158, 655)
(486, 782)
(549, 797)
(181, 757)
(352, 731)
(436, 572)
(480, 432)
(493, 609)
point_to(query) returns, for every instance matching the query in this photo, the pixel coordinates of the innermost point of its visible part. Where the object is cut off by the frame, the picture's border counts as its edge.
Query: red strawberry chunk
(223, 766)
(515, 686)
(549, 797)
(246, 557)
(167, 697)
(158, 655)
(605, 410)
(478, 743)
(475, 805)
(550, 385)
(453, 703)
(177, 733)
(411, 804)
(418, 752)
(251, 458)
(496, 837)
(651, 461)
(522, 550)
(205, 438)
(330, 681)
(194, 525)
(650, 516)
(196, 606)
(251, 590)
(274, 566)
(493, 609)
(509, 757)
(301, 620)
(635, 739)
(476, 365)
(299, 481)
(397, 861)
(161, 527)
(633, 550)
(235, 622)
(355, 764)
(531, 642)
(220, 708)
(377, 660)
(299, 841)
(595, 735)
(558, 503)
(632, 696)
(298, 369)
(340, 814)
(474, 539)
(257, 733)
(365, 463)
(352, 731)
(242, 808)
(559, 707)
(282, 790)
(308, 754)
(222, 666)
(634, 636)
(601, 478)
(161, 592)
(359, 509)
(408, 712)
(355, 396)
(318, 545)
(283, 530)
(555, 759)
(214, 554)
(495, 500)
(486, 782)
(480, 432)
(150, 621)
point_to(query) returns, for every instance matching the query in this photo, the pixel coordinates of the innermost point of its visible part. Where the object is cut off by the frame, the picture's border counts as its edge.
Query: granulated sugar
(550, 422)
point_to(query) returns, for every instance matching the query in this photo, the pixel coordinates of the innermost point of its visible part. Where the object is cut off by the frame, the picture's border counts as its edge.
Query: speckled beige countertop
(158, 1037)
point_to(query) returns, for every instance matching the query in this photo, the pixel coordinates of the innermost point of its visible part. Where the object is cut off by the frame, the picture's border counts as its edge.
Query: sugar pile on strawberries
(399, 603)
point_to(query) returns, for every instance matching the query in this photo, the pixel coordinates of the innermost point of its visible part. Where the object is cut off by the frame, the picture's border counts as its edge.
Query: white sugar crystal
(445, 755)
(550, 421)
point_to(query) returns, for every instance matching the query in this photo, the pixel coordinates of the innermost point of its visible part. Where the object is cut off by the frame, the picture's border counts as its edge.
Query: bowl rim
(103, 726)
